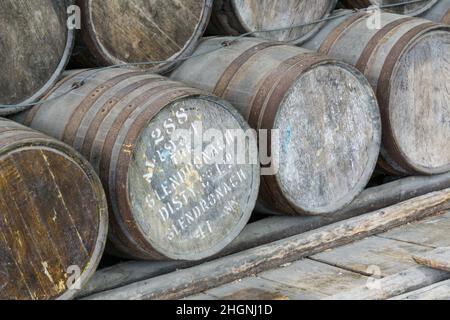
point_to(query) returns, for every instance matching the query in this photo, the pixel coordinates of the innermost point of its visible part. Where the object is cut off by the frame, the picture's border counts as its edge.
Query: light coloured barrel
(133, 31)
(168, 199)
(439, 13)
(407, 62)
(324, 111)
(54, 216)
(35, 46)
(234, 17)
(411, 9)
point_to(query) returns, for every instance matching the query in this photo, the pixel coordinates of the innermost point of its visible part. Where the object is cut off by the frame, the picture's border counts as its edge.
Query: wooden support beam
(273, 229)
(224, 270)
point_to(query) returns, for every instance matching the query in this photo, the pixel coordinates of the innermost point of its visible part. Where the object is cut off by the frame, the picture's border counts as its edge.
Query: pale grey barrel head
(35, 46)
(330, 135)
(190, 208)
(420, 102)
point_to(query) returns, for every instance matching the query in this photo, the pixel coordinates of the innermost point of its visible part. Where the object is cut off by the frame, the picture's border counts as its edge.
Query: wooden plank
(317, 279)
(432, 232)
(373, 256)
(438, 259)
(405, 281)
(224, 270)
(256, 288)
(437, 291)
(273, 229)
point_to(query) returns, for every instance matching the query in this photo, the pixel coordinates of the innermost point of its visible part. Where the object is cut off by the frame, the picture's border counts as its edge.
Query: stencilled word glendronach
(74, 17)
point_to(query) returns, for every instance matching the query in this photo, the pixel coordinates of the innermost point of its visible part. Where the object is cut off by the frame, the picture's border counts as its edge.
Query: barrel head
(419, 104)
(188, 200)
(53, 222)
(255, 15)
(330, 135)
(131, 31)
(35, 46)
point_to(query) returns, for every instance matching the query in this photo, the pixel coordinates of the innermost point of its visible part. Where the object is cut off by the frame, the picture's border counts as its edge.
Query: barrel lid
(140, 31)
(419, 99)
(35, 48)
(412, 9)
(53, 222)
(257, 15)
(186, 207)
(330, 135)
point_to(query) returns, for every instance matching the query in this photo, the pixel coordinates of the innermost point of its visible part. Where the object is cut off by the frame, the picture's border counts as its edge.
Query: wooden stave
(231, 64)
(89, 54)
(14, 137)
(126, 240)
(366, 51)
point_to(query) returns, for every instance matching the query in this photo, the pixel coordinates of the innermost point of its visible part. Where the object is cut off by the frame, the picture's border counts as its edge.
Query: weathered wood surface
(257, 288)
(432, 232)
(437, 291)
(439, 13)
(35, 46)
(167, 197)
(413, 95)
(272, 229)
(54, 216)
(437, 259)
(234, 17)
(376, 257)
(209, 275)
(412, 9)
(324, 112)
(395, 285)
(130, 31)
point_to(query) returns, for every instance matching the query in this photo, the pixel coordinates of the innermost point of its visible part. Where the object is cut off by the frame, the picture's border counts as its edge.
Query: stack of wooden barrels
(157, 144)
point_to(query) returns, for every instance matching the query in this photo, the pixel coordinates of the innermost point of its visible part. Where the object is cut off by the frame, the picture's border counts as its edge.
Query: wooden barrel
(54, 216)
(407, 63)
(324, 111)
(116, 31)
(412, 9)
(35, 46)
(167, 200)
(234, 17)
(439, 13)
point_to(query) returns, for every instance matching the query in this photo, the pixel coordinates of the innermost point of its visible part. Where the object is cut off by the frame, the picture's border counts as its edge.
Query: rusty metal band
(384, 89)
(375, 41)
(334, 35)
(446, 18)
(121, 168)
(77, 116)
(106, 109)
(268, 84)
(231, 71)
(33, 111)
